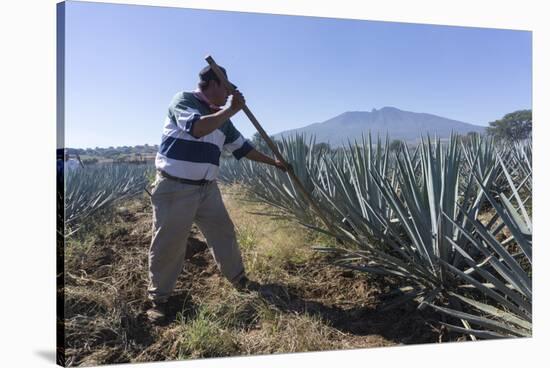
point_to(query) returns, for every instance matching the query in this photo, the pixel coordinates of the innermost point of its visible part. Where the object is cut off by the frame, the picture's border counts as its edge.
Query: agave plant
(276, 188)
(439, 222)
(345, 181)
(93, 188)
(417, 216)
(502, 275)
(403, 211)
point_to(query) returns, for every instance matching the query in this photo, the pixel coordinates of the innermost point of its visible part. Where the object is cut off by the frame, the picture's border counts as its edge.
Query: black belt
(182, 180)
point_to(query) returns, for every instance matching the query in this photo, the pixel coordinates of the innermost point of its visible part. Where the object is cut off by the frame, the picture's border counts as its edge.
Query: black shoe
(245, 284)
(157, 313)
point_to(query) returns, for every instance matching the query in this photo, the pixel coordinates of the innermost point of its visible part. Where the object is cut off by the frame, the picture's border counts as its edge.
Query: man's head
(211, 86)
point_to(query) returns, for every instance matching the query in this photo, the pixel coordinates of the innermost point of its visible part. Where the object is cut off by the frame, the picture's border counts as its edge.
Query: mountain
(398, 124)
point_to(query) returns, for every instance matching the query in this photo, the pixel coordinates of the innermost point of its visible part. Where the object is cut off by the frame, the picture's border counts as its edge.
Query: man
(196, 129)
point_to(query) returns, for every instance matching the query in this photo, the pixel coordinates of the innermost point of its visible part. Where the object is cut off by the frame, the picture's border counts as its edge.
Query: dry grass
(305, 303)
(269, 245)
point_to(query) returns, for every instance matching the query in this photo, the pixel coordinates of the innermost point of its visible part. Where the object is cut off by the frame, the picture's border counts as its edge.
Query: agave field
(451, 220)
(91, 189)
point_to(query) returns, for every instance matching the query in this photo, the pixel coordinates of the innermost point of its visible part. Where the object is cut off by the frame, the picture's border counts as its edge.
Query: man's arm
(209, 123)
(255, 155)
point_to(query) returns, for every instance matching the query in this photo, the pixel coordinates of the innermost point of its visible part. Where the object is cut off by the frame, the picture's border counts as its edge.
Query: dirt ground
(304, 304)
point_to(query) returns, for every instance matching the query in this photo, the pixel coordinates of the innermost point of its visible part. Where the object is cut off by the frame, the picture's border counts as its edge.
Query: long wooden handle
(267, 139)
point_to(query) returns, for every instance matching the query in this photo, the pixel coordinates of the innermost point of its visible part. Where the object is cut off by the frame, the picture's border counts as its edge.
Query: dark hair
(207, 74)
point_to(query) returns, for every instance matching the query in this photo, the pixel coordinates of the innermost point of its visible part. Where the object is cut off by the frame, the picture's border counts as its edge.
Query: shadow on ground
(403, 325)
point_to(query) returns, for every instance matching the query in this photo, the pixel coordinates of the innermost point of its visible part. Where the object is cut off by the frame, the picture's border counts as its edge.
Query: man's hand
(237, 101)
(255, 155)
(211, 122)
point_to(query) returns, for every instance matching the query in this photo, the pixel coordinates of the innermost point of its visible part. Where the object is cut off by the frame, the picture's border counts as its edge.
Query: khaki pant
(175, 207)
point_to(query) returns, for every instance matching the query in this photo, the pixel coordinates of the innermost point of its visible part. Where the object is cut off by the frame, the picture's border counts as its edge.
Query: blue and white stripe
(185, 156)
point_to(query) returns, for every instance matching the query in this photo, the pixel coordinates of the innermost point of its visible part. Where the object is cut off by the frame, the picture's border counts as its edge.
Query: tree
(321, 147)
(395, 145)
(470, 136)
(514, 126)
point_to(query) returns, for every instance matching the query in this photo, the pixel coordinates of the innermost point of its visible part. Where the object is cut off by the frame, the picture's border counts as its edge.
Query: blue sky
(124, 63)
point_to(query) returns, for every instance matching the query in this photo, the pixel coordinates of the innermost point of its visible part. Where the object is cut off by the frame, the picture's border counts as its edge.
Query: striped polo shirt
(184, 156)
